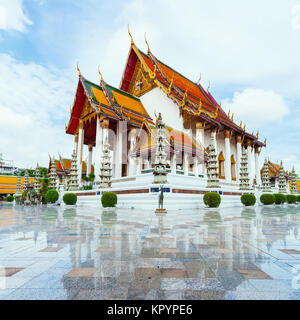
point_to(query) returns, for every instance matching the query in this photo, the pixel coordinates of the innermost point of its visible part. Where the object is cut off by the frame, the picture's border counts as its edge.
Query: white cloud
(34, 104)
(257, 107)
(12, 16)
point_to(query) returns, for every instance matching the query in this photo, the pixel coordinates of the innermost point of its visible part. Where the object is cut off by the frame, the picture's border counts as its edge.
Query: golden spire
(232, 117)
(101, 78)
(257, 134)
(244, 127)
(130, 35)
(79, 73)
(265, 142)
(228, 114)
(241, 124)
(147, 43)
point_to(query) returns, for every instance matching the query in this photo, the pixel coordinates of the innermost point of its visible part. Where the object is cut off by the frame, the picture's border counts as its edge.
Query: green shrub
(109, 199)
(298, 199)
(51, 196)
(212, 199)
(9, 198)
(248, 199)
(70, 198)
(279, 198)
(267, 198)
(291, 198)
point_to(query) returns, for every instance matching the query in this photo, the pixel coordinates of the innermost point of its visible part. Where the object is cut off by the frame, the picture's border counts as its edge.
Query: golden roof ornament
(257, 134)
(241, 124)
(232, 117)
(130, 35)
(228, 114)
(244, 128)
(148, 47)
(101, 78)
(265, 142)
(79, 73)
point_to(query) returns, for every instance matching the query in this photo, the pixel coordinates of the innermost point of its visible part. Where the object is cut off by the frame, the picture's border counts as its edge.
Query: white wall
(157, 101)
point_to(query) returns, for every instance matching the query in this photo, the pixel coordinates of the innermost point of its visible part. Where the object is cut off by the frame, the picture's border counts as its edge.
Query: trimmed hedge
(279, 198)
(70, 198)
(9, 198)
(248, 199)
(267, 198)
(212, 199)
(298, 199)
(109, 199)
(291, 198)
(51, 196)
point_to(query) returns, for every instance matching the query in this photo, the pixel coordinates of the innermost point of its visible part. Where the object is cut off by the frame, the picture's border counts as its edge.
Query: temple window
(233, 168)
(221, 160)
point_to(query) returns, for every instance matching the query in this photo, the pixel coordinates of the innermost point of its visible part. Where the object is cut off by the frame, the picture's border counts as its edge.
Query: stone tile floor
(82, 253)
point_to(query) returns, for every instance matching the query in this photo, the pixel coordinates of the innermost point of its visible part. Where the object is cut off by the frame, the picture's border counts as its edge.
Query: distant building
(7, 166)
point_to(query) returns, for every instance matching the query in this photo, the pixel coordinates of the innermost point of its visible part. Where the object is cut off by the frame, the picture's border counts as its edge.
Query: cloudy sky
(249, 52)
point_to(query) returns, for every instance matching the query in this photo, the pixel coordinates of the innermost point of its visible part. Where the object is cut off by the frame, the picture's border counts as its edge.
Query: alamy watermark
(296, 278)
(3, 21)
(296, 17)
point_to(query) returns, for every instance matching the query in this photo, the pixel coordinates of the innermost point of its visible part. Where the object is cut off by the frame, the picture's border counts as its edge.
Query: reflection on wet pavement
(82, 253)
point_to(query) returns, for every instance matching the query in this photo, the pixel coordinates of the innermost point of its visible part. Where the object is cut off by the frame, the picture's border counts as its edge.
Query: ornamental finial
(265, 142)
(198, 82)
(257, 134)
(101, 78)
(147, 42)
(130, 35)
(228, 114)
(232, 117)
(79, 73)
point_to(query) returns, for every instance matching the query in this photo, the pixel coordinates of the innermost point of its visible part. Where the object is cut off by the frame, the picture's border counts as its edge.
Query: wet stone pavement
(83, 253)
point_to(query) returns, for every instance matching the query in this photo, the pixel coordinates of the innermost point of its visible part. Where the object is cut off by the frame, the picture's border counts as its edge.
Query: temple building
(63, 168)
(127, 117)
(274, 174)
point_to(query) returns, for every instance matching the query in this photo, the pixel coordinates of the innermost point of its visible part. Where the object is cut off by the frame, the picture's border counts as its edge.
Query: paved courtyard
(82, 253)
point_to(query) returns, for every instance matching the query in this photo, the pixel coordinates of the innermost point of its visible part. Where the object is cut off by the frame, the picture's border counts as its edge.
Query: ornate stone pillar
(90, 157)
(238, 156)
(227, 156)
(98, 149)
(257, 169)
(250, 162)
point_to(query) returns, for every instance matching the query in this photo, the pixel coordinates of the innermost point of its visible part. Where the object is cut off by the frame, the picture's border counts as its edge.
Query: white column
(227, 157)
(200, 140)
(185, 164)
(173, 164)
(138, 166)
(147, 166)
(238, 156)
(257, 168)
(118, 151)
(79, 156)
(131, 161)
(196, 172)
(98, 150)
(90, 157)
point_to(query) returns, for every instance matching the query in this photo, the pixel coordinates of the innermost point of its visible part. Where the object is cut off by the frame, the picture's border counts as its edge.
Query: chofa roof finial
(130, 35)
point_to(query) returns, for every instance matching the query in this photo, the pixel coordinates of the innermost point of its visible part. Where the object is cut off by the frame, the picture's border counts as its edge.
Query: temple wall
(157, 101)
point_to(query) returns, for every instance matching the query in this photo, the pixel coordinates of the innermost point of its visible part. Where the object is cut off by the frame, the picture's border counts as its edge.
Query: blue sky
(248, 51)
